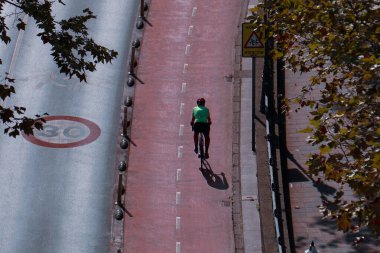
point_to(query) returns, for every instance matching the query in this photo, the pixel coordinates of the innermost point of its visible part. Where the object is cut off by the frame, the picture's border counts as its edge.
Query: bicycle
(201, 146)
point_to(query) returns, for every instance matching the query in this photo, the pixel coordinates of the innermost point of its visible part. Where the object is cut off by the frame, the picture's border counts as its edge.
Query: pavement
(190, 51)
(306, 192)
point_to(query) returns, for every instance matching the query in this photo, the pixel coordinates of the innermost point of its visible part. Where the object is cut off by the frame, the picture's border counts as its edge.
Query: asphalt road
(56, 198)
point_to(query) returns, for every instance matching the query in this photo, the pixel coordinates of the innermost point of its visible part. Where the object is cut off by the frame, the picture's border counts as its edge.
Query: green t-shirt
(201, 114)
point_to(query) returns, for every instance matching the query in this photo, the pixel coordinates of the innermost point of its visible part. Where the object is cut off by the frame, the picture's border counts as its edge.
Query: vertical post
(253, 104)
(132, 63)
(119, 190)
(270, 113)
(281, 88)
(142, 9)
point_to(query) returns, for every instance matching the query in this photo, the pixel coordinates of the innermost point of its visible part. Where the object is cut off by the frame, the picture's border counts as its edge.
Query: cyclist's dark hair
(201, 101)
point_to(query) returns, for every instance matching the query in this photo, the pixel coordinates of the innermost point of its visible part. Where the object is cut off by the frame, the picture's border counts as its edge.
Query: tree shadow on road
(217, 181)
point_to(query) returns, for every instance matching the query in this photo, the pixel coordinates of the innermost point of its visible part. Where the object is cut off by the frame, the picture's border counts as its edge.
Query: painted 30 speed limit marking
(65, 132)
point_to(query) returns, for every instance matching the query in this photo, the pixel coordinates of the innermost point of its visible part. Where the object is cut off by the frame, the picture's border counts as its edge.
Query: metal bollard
(122, 166)
(124, 143)
(136, 43)
(128, 101)
(131, 81)
(132, 63)
(142, 9)
(118, 213)
(140, 24)
(120, 190)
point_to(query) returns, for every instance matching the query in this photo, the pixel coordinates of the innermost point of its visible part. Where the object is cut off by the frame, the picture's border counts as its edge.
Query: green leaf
(323, 149)
(314, 122)
(344, 222)
(306, 130)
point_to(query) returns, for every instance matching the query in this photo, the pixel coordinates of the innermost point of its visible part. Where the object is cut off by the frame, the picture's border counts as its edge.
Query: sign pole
(253, 104)
(252, 46)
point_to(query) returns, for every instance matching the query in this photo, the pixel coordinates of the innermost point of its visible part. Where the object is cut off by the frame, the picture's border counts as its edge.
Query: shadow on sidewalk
(337, 241)
(299, 174)
(217, 181)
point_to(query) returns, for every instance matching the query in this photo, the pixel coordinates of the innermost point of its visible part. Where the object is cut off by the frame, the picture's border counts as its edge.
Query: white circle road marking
(64, 132)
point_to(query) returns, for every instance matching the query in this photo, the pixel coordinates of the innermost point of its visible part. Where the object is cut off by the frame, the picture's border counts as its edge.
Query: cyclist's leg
(206, 133)
(207, 142)
(201, 144)
(197, 130)
(196, 141)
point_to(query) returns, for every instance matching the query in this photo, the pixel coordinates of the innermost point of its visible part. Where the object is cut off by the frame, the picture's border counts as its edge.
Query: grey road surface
(59, 200)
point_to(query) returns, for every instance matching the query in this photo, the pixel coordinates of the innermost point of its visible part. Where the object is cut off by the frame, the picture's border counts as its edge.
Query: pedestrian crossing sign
(253, 44)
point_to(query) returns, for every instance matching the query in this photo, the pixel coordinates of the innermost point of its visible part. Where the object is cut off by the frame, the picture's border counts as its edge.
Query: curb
(123, 140)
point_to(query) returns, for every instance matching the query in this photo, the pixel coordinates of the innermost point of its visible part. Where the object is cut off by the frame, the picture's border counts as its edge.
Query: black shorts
(201, 127)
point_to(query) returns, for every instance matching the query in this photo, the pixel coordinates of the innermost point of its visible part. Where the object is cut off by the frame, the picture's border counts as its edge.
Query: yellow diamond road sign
(253, 43)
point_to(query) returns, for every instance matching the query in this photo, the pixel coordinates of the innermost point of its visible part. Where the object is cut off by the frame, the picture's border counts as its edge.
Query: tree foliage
(338, 42)
(72, 49)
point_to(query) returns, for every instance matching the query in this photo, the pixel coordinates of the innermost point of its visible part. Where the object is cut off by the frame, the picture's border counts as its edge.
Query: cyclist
(201, 122)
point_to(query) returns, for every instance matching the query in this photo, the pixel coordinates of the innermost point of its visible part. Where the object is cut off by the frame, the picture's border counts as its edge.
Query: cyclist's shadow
(217, 181)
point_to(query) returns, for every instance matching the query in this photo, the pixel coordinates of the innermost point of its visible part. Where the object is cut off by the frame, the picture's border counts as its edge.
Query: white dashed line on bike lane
(183, 88)
(180, 151)
(194, 11)
(179, 172)
(190, 31)
(181, 108)
(181, 129)
(187, 50)
(178, 222)
(185, 68)
(178, 198)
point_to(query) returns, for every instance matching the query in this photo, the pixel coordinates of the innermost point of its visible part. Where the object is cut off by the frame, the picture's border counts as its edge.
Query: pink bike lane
(186, 54)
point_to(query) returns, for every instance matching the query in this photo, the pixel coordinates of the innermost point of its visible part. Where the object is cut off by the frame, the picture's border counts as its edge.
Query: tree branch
(11, 3)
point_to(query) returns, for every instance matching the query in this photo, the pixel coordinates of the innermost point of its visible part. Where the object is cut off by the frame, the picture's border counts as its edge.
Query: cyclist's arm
(192, 120)
(209, 119)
